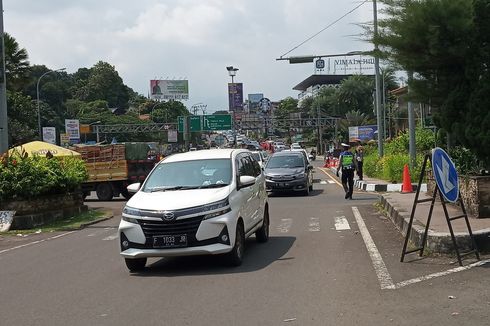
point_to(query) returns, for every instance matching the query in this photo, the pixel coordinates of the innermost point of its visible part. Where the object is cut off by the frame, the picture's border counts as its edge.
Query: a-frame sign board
(448, 190)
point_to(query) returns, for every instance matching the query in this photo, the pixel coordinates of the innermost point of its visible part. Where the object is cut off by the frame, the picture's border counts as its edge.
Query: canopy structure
(41, 148)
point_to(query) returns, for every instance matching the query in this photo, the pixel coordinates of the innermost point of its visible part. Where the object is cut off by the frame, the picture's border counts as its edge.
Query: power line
(328, 26)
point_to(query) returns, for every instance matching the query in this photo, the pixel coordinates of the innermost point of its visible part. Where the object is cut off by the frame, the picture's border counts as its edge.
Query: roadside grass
(73, 223)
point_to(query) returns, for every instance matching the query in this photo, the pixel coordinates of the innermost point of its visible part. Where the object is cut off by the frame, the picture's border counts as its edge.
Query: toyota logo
(168, 216)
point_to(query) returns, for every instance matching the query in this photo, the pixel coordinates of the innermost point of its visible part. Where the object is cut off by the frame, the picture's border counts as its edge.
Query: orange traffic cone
(327, 164)
(407, 183)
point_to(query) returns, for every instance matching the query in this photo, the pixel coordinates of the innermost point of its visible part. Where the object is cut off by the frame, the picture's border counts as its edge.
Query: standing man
(359, 161)
(347, 165)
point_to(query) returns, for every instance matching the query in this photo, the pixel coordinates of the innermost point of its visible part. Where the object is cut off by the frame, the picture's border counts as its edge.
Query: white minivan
(196, 203)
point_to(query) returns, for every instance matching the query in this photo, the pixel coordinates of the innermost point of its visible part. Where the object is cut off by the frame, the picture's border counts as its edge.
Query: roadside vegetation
(24, 177)
(72, 223)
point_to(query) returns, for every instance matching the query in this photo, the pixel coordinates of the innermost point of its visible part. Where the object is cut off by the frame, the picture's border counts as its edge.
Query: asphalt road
(319, 268)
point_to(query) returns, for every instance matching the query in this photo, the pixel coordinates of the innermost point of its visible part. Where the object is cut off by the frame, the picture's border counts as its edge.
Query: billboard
(172, 136)
(253, 101)
(169, 89)
(346, 65)
(362, 133)
(235, 96)
(72, 128)
(49, 135)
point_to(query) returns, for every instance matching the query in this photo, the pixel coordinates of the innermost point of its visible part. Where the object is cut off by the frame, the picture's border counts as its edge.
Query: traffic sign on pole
(217, 122)
(195, 123)
(445, 174)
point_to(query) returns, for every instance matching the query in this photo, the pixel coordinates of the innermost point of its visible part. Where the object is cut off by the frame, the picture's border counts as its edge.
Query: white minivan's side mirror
(246, 180)
(134, 187)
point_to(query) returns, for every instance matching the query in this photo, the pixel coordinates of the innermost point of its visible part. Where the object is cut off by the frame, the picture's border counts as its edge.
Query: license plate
(170, 241)
(282, 185)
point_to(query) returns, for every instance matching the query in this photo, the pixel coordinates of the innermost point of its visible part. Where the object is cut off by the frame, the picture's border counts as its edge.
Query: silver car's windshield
(210, 173)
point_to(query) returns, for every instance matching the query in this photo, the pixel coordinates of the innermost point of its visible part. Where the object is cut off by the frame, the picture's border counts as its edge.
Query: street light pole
(4, 134)
(232, 72)
(379, 114)
(38, 106)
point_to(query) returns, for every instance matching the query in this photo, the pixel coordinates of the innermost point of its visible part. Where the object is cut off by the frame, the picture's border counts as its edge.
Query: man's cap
(345, 145)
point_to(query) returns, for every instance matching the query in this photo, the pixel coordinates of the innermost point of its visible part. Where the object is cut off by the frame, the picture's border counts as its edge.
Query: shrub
(28, 177)
(465, 160)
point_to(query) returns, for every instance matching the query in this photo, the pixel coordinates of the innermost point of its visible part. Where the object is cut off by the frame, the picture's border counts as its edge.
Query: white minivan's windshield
(197, 174)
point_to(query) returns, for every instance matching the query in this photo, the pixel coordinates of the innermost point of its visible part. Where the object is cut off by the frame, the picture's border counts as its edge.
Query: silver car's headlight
(300, 175)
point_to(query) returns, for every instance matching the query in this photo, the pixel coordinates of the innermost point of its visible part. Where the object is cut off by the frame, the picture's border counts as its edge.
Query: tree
(22, 118)
(356, 93)
(102, 83)
(286, 106)
(444, 43)
(16, 63)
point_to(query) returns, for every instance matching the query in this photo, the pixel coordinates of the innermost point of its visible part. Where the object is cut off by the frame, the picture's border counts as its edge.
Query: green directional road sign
(195, 121)
(216, 122)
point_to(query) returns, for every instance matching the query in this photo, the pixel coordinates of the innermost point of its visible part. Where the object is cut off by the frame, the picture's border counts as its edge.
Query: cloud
(192, 24)
(186, 38)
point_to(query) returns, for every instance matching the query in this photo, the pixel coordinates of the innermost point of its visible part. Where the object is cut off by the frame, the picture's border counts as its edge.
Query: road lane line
(36, 242)
(111, 237)
(314, 224)
(323, 182)
(285, 225)
(331, 182)
(439, 274)
(341, 223)
(332, 178)
(382, 273)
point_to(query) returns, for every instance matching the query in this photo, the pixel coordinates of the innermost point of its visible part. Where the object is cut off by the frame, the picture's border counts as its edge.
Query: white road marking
(439, 274)
(285, 225)
(330, 181)
(36, 242)
(323, 182)
(111, 237)
(314, 225)
(382, 273)
(341, 223)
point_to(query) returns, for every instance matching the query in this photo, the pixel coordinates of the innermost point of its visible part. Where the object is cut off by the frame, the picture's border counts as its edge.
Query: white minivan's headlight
(128, 212)
(216, 209)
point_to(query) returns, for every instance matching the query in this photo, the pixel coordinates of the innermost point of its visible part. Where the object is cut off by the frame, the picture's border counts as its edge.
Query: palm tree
(355, 118)
(16, 63)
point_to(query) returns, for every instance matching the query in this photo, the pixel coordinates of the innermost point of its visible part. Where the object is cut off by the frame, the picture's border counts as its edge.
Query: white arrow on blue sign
(445, 174)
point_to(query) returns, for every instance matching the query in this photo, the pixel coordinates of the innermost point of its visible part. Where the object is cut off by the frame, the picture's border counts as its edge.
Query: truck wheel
(104, 191)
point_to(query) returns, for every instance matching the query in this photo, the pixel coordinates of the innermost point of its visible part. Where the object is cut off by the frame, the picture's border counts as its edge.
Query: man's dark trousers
(348, 182)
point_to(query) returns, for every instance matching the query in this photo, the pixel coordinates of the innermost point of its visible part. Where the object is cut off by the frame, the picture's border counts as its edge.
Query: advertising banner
(169, 89)
(346, 65)
(362, 133)
(64, 140)
(172, 136)
(253, 101)
(49, 135)
(72, 127)
(235, 96)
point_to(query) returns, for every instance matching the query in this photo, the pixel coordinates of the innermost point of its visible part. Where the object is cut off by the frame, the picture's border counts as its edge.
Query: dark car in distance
(289, 171)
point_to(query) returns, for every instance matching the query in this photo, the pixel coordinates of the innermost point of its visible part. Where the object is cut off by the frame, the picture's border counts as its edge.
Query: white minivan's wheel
(262, 234)
(235, 256)
(136, 264)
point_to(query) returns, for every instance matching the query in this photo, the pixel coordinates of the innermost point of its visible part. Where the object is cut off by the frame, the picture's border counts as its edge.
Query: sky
(188, 39)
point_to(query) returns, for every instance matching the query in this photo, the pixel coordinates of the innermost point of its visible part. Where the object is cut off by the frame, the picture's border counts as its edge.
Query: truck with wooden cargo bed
(111, 168)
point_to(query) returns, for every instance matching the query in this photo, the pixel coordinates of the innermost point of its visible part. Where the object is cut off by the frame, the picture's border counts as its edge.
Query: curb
(374, 187)
(108, 214)
(438, 242)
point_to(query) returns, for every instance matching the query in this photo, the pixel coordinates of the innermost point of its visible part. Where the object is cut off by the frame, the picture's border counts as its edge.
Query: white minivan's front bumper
(214, 236)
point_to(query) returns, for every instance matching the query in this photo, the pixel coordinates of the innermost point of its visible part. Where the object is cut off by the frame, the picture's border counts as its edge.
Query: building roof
(320, 80)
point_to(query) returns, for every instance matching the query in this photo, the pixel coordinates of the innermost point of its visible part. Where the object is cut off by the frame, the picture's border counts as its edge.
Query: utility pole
(411, 127)
(379, 114)
(4, 132)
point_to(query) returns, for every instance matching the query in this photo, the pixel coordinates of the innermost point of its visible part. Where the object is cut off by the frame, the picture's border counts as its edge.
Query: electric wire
(325, 28)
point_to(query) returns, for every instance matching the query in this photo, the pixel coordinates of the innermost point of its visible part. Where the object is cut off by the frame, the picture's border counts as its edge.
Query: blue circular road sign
(445, 174)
